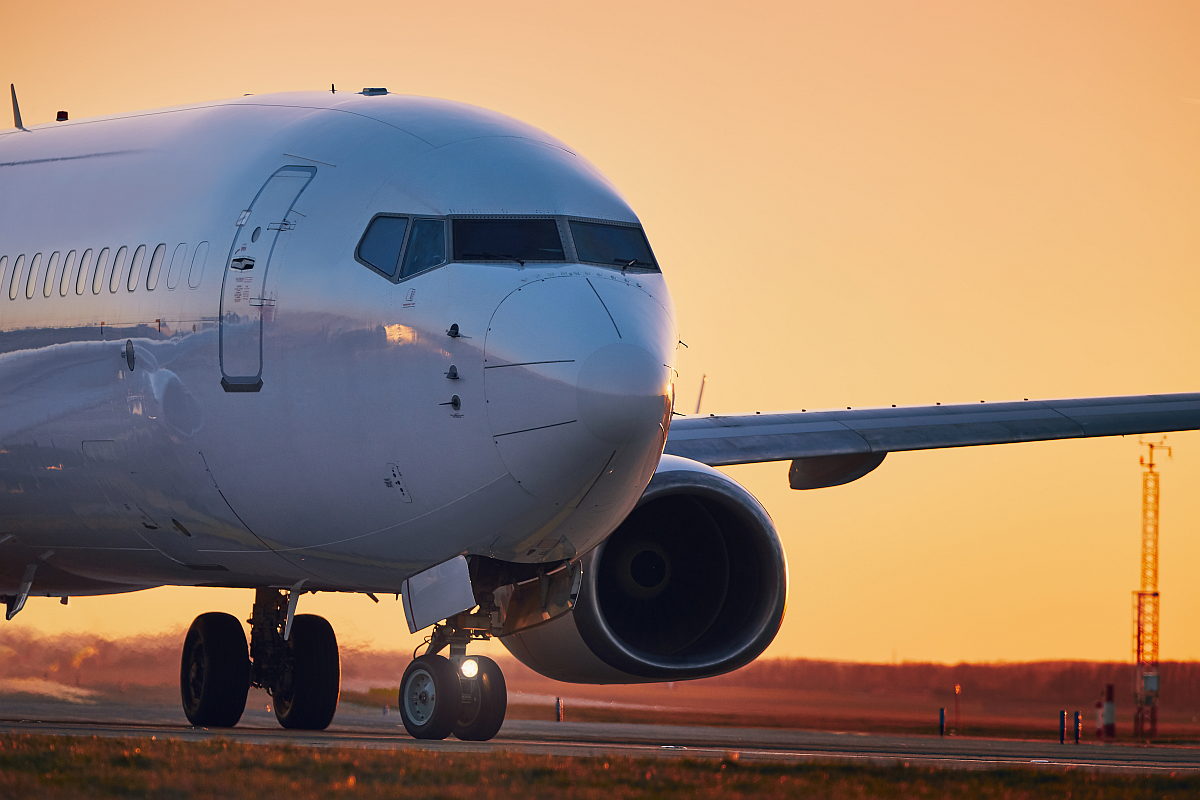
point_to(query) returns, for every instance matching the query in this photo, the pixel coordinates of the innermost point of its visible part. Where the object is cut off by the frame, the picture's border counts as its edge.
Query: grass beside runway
(95, 767)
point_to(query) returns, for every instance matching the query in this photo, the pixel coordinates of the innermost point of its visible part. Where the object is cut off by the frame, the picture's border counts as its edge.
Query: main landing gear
(299, 667)
(464, 695)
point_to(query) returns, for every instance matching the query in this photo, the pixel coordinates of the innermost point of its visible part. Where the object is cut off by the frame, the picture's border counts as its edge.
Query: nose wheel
(464, 695)
(484, 702)
(429, 697)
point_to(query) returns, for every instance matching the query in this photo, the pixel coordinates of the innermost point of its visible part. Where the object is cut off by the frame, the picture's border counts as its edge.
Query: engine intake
(692, 584)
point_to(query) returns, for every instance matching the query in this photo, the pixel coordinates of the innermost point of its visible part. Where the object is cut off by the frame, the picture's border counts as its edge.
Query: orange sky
(855, 204)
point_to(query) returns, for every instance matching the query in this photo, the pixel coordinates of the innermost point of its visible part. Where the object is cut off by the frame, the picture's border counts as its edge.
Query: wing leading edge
(832, 447)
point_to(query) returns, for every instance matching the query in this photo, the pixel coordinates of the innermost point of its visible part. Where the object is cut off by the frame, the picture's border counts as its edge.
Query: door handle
(242, 263)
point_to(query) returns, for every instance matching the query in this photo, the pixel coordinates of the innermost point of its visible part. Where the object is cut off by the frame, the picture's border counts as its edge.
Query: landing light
(469, 668)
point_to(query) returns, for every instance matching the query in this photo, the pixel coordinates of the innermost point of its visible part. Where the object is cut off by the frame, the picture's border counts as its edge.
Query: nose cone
(577, 385)
(621, 392)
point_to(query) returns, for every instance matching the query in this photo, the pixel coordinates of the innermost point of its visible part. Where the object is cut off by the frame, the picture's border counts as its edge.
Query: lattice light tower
(1145, 604)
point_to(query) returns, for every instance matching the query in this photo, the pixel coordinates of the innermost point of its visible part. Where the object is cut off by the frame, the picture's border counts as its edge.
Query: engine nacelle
(693, 583)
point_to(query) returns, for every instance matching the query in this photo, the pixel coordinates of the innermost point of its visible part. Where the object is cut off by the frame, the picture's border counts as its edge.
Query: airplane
(373, 343)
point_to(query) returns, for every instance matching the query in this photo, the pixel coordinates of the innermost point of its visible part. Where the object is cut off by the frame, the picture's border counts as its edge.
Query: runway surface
(356, 726)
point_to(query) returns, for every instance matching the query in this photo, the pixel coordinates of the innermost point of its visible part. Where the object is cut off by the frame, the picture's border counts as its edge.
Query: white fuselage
(125, 458)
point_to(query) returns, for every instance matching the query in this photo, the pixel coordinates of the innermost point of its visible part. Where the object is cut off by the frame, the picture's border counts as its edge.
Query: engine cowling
(692, 584)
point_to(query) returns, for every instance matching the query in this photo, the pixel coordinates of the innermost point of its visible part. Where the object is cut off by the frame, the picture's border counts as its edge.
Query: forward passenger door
(245, 300)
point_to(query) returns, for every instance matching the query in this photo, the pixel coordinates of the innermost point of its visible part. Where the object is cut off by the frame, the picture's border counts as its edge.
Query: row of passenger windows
(399, 246)
(95, 269)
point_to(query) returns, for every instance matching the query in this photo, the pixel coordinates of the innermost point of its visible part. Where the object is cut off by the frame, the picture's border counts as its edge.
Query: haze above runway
(358, 726)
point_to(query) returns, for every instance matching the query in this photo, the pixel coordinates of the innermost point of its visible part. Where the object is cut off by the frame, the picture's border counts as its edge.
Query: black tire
(306, 696)
(484, 703)
(430, 697)
(214, 673)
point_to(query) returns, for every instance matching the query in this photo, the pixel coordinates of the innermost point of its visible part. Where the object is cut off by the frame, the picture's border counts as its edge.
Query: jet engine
(691, 584)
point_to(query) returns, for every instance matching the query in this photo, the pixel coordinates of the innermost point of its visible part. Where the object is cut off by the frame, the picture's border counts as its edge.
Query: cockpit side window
(426, 246)
(517, 240)
(623, 246)
(382, 243)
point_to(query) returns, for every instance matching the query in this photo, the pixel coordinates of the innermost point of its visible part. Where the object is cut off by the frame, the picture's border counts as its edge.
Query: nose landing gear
(464, 695)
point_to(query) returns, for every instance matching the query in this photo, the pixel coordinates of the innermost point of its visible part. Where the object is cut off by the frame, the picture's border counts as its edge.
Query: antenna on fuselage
(16, 109)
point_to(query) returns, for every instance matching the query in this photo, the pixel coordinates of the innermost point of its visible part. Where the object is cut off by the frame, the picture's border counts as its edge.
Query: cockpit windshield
(622, 246)
(399, 246)
(517, 240)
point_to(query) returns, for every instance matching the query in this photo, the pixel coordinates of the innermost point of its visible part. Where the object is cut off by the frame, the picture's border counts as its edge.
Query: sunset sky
(855, 204)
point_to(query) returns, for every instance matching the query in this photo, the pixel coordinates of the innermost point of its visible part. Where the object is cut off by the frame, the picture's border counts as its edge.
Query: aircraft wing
(828, 448)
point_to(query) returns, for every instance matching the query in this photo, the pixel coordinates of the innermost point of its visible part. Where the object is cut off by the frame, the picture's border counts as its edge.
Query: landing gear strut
(464, 695)
(301, 672)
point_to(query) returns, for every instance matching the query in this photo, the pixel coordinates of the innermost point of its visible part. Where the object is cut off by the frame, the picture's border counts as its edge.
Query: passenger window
(51, 275)
(156, 260)
(118, 269)
(35, 269)
(196, 274)
(68, 275)
(381, 244)
(426, 246)
(135, 268)
(99, 270)
(85, 263)
(4, 276)
(177, 260)
(14, 280)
